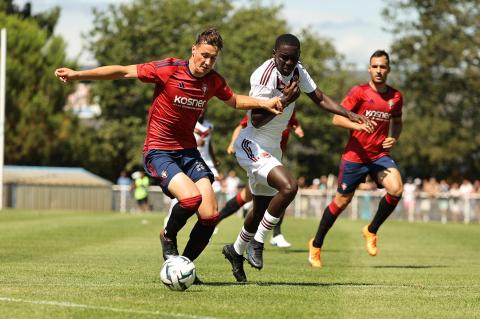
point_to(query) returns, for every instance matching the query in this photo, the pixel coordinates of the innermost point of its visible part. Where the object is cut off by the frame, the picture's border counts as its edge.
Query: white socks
(243, 239)
(267, 224)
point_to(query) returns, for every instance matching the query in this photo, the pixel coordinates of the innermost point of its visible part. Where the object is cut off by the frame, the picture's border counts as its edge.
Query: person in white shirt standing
(258, 149)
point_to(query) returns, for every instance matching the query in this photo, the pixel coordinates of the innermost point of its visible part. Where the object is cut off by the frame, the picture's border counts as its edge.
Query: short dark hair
(210, 36)
(380, 53)
(287, 39)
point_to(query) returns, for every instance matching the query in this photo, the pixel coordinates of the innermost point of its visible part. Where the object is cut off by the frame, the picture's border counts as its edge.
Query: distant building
(36, 187)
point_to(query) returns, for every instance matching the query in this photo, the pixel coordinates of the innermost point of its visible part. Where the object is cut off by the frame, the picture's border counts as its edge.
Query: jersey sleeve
(155, 71)
(244, 121)
(261, 87)
(353, 99)
(398, 105)
(305, 81)
(224, 92)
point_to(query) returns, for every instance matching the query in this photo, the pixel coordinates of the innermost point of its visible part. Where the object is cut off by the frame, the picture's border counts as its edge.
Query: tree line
(434, 59)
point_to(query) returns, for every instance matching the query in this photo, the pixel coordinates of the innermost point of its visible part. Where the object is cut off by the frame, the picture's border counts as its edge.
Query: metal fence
(311, 203)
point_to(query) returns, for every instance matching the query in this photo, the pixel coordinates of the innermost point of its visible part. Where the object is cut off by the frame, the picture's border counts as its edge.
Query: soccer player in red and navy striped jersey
(367, 153)
(182, 90)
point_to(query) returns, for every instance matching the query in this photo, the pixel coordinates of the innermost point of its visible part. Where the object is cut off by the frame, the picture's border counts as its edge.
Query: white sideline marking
(75, 305)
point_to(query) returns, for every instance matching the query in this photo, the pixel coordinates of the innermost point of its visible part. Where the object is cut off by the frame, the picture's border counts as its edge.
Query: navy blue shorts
(163, 165)
(352, 174)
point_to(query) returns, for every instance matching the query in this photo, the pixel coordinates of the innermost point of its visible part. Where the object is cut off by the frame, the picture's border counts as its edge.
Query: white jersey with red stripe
(204, 131)
(267, 82)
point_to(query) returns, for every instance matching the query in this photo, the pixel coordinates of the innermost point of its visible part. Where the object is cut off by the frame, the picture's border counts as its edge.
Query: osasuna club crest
(164, 174)
(204, 89)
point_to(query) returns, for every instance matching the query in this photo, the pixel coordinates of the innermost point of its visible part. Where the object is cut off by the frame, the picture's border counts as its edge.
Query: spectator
(301, 181)
(466, 190)
(123, 179)
(454, 201)
(140, 191)
(409, 190)
(231, 184)
(442, 196)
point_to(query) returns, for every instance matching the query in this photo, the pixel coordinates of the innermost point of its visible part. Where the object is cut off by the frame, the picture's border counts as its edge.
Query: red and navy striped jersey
(178, 101)
(365, 147)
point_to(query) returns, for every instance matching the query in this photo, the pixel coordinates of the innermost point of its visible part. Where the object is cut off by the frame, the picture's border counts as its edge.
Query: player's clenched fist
(64, 74)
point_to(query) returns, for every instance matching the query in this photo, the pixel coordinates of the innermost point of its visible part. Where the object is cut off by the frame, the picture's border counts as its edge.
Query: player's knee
(343, 200)
(396, 190)
(289, 189)
(191, 203)
(210, 220)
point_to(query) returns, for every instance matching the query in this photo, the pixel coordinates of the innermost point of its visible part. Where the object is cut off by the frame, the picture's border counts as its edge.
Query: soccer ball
(178, 273)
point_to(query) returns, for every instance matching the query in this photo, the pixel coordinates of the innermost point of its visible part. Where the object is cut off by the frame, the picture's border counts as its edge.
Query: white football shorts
(257, 162)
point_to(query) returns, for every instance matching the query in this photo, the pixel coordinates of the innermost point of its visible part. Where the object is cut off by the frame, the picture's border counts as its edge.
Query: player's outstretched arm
(109, 72)
(329, 105)
(235, 133)
(344, 122)
(244, 102)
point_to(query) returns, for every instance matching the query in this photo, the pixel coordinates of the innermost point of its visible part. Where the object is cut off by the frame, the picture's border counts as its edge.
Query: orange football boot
(314, 255)
(370, 241)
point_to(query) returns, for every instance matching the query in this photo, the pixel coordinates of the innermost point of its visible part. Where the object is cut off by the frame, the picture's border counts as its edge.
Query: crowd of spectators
(423, 199)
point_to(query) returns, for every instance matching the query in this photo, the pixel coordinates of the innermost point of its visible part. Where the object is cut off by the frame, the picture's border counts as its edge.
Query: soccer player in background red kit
(367, 153)
(171, 158)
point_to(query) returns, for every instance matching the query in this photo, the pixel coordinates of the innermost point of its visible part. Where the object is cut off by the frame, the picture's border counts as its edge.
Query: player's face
(379, 69)
(203, 59)
(286, 58)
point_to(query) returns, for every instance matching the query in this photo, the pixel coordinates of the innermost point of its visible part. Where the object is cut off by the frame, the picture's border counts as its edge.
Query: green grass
(106, 265)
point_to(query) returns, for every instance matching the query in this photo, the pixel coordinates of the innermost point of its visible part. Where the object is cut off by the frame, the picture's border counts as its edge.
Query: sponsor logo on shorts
(199, 167)
(344, 186)
(265, 155)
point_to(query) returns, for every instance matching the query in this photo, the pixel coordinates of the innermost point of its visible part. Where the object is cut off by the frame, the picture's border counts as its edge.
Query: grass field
(105, 265)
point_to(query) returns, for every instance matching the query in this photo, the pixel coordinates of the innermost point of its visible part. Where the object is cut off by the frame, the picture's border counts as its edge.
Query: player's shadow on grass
(409, 266)
(297, 284)
(296, 251)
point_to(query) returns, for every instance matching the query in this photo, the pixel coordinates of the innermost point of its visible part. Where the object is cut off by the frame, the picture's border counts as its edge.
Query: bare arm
(109, 72)
(235, 133)
(344, 122)
(290, 93)
(244, 102)
(396, 126)
(327, 104)
(212, 153)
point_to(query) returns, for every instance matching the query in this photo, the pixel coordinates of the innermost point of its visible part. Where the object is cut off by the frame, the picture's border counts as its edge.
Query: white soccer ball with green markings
(178, 273)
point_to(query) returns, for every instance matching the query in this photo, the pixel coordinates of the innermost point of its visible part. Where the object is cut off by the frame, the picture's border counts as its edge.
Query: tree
(37, 130)
(435, 51)
(146, 30)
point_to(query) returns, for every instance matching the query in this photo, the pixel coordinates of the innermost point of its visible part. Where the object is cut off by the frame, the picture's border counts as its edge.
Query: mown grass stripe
(67, 304)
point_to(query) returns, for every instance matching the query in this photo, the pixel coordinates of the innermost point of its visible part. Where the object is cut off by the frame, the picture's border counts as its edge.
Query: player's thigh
(280, 178)
(208, 208)
(351, 175)
(391, 179)
(246, 194)
(181, 186)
